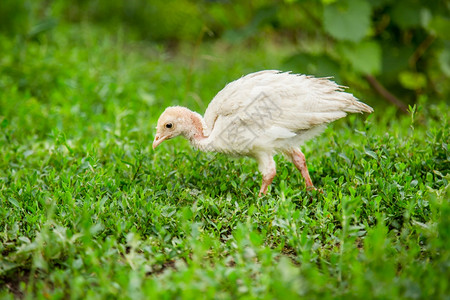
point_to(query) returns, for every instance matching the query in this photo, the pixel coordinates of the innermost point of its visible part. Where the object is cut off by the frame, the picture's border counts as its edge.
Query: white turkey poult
(260, 115)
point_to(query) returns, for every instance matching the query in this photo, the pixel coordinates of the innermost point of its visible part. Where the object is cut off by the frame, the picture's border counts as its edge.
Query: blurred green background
(396, 50)
(89, 211)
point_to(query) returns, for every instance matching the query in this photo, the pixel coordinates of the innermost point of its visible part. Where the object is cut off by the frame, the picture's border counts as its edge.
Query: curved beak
(158, 140)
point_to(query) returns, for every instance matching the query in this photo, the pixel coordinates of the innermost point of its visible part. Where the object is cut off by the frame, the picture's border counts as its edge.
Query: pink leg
(267, 180)
(267, 167)
(299, 160)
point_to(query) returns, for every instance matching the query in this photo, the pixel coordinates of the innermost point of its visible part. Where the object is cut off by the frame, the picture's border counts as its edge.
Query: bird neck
(195, 134)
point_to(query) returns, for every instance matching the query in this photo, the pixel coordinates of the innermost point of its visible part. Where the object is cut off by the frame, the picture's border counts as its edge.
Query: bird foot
(313, 188)
(262, 192)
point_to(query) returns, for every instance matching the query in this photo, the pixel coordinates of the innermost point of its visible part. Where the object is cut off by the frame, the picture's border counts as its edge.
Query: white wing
(297, 102)
(277, 105)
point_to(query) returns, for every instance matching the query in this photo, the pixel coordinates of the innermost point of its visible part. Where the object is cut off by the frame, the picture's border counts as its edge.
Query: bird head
(172, 122)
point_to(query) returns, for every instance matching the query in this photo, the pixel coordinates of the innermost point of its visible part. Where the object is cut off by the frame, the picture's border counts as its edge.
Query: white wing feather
(277, 106)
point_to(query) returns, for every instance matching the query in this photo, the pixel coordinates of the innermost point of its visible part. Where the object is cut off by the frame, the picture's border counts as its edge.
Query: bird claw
(313, 188)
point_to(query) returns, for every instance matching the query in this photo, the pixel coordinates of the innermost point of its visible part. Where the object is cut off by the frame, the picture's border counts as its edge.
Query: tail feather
(353, 105)
(360, 107)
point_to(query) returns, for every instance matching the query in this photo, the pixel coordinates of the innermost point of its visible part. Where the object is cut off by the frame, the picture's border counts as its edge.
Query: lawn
(89, 210)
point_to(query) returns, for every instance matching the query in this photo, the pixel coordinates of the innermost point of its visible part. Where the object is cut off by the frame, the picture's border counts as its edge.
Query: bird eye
(169, 125)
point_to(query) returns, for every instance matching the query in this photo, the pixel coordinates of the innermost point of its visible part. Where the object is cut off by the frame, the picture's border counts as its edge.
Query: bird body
(260, 115)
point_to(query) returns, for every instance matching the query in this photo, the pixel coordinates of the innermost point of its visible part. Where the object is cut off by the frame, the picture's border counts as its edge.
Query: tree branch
(386, 94)
(420, 51)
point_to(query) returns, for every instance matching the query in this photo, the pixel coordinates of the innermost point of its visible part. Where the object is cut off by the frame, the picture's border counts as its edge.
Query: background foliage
(405, 44)
(88, 210)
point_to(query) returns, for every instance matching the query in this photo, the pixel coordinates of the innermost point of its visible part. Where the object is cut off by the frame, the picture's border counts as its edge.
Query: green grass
(89, 210)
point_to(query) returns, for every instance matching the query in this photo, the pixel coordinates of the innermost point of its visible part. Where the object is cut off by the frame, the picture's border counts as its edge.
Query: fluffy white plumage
(262, 114)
